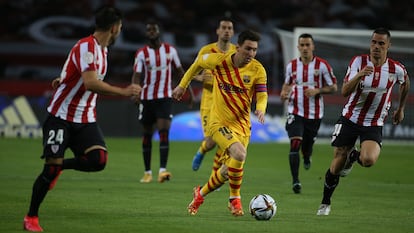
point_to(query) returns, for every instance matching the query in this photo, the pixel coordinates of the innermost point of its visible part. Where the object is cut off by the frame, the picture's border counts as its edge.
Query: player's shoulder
(257, 65)
(208, 48)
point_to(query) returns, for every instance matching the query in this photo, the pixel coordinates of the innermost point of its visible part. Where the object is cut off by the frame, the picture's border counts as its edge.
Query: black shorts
(58, 135)
(151, 110)
(347, 132)
(297, 126)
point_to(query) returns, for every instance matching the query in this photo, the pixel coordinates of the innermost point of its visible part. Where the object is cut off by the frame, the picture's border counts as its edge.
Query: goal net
(338, 46)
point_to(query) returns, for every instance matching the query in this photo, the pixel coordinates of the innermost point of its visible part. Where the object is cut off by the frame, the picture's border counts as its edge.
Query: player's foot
(324, 209)
(235, 207)
(31, 224)
(196, 202)
(297, 187)
(53, 183)
(147, 178)
(164, 176)
(349, 163)
(198, 158)
(307, 161)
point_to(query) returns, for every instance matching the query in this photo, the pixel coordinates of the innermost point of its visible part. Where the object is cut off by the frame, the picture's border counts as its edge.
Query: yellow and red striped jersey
(233, 89)
(207, 93)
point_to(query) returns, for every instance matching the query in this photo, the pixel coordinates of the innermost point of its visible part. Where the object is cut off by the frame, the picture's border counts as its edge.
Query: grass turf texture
(377, 199)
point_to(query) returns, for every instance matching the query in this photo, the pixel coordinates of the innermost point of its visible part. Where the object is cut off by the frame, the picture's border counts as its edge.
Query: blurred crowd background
(186, 23)
(36, 36)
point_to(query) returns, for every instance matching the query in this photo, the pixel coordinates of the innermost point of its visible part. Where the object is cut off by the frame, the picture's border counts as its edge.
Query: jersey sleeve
(206, 61)
(175, 57)
(139, 62)
(261, 90)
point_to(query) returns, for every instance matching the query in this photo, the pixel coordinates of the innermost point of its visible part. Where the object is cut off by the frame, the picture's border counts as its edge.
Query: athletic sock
(331, 181)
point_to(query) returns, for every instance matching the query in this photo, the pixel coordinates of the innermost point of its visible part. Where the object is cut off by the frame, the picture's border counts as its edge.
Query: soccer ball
(262, 207)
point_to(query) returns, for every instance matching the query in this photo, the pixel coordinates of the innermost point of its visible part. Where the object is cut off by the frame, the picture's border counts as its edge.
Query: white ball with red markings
(263, 207)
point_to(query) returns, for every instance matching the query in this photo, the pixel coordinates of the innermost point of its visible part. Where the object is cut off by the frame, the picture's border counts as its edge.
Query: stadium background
(37, 35)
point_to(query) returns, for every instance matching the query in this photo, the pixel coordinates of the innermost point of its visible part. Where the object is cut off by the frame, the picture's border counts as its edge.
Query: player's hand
(311, 92)
(367, 70)
(260, 116)
(397, 116)
(55, 83)
(133, 90)
(178, 93)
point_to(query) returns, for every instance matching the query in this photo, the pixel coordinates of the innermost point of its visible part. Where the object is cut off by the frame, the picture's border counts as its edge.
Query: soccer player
(368, 84)
(71, 122)
(238, 77)
(154, 64)
(307, 79)
(225, 32)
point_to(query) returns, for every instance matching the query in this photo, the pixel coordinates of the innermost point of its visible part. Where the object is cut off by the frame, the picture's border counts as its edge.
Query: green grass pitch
(377, 199)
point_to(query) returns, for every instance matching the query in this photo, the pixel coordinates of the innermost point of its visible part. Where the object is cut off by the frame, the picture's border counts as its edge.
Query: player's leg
(164, 115)
(309, 136)
(55, 141)
(206, 145)
(343, 141)
(147, 118)
(371, 141)
(295, 127)
(235, 164)
(88, 146)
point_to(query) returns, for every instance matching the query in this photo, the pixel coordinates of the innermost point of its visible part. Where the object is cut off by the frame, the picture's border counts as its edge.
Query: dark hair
(226, 18)
(382, 31)
(305, 35)
(106, 17)
(248, 35)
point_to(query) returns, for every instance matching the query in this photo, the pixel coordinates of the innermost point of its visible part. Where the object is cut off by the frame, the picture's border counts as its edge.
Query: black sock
(331, 181)
(41, 187)
(294, 161)
(146, 150)
(164, 148)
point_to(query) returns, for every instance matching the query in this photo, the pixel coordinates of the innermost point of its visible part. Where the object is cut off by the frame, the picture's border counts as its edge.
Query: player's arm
(350, 85)
(261, 101)
(179, 91)
(286, 89)
(92, 83)
(205, 75)
(136, 79)
(323, 90)
(398, 115)
(181, 73)
(56, 82)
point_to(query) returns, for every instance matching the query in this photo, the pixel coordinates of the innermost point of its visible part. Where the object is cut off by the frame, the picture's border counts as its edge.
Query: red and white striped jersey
(368, 105)
(71, 101)
(155, 66)
(317, 74)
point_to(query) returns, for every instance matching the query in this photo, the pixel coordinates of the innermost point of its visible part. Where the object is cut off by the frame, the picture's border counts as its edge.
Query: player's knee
(210, 144)
(367, 161)
(224, 172)
(97, 159)
(163, 134)
(50, 172)
(295, 144)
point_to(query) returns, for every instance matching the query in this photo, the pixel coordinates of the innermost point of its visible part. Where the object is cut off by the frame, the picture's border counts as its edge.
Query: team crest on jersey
(316, 72)
(391, 77)
(246, 79)
(87, 57)
(376, 75)
(55, 148)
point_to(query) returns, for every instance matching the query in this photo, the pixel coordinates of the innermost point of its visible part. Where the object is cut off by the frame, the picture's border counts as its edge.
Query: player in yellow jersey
(225, 32)
(238, 77)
